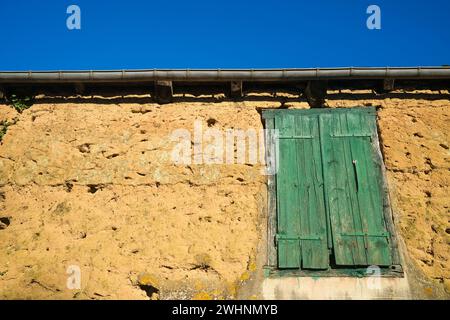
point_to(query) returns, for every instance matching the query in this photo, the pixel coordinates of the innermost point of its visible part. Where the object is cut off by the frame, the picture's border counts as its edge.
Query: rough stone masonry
(90, 183)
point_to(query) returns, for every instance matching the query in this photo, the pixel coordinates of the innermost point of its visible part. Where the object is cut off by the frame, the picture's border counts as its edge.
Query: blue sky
(136, 34)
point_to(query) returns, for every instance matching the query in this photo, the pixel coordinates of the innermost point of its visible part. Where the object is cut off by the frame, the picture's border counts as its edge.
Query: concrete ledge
(331, 288)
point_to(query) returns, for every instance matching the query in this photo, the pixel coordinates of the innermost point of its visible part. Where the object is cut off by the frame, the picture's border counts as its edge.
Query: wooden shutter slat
(355, 202)
(289, 250)
(301, 178)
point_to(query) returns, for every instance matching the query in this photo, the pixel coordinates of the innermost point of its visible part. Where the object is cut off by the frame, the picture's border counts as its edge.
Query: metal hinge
(351, 135)
(295, 137)
(363, 234)
(366, 236)
(285, 237)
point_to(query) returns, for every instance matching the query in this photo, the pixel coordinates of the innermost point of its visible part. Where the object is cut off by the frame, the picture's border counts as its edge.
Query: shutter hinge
(363, 234)
(295, 137)
(366, 236)
(350, 135)
(286, 237)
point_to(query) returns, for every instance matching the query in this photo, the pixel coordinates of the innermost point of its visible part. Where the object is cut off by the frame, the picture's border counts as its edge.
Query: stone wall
(91, 183)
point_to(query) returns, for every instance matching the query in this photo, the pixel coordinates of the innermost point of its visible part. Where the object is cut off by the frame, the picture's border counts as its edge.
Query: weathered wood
(347, 163)
(236, 89)
(355, 196)
(388, 84)
(316, 92)
(387, 207)
(80, 88)
(163, 91)
(302, 231)
(271, 189)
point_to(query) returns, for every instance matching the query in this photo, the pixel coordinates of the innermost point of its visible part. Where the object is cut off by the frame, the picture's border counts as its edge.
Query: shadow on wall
(274, 97)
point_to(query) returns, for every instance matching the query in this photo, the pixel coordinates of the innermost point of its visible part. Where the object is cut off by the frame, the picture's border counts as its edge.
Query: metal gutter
(217, 75)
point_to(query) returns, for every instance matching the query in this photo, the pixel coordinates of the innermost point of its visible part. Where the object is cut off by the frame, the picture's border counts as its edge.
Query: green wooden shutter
(329, 189)
(302, 233)
(353, 188)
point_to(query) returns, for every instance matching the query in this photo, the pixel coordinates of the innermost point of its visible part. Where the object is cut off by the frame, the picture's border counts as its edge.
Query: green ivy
(20, 103)
(4, 124)
(3, 128)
